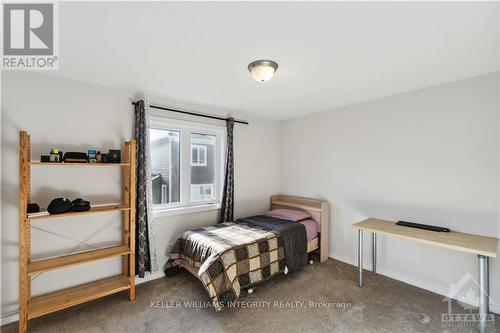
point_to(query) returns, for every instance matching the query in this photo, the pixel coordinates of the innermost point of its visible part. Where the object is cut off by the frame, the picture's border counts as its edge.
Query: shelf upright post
(24, 230)
(126, 202)
(132, 180)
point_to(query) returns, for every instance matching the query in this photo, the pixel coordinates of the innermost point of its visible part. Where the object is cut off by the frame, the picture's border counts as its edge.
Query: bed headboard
(319, 209)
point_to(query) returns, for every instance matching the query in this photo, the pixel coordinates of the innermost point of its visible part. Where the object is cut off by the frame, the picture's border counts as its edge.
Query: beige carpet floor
(282, 304)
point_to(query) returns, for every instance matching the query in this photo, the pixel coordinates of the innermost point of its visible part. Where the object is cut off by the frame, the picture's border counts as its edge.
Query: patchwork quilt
(230, 256)
(293, 234)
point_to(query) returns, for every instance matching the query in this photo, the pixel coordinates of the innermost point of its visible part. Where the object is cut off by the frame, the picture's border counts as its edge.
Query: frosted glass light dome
(262, 70)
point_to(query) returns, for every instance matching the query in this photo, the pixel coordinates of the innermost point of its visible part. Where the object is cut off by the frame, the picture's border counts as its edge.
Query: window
(186, 163)
(198, 155)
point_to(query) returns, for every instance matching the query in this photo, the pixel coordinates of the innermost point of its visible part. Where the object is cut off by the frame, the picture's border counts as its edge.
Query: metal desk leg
(483, 277)
(360, 258)
(488, 283)
(374, 253)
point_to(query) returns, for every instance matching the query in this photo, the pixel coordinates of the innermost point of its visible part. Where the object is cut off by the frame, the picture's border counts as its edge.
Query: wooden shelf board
(45, 265)
(45, 304)
(92, 210)
(79, 164)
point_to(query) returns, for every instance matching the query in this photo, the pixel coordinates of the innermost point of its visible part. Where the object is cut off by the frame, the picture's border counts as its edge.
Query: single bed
(320, 213)
(230, 257)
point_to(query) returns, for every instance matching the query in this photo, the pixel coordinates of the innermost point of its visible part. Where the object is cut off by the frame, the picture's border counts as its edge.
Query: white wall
(74, 115)
(429, 156)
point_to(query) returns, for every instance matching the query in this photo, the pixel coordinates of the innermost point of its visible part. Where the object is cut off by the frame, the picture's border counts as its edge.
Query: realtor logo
(29, 31)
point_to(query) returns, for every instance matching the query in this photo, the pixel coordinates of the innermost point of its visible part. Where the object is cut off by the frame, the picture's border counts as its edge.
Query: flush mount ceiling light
(262, 70)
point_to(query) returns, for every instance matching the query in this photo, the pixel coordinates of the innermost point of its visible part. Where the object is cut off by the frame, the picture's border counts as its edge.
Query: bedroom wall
(74, 115)
(429, 156)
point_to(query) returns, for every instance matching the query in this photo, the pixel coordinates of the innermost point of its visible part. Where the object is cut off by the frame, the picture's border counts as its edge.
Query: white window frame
(199, 148)
(186, 128)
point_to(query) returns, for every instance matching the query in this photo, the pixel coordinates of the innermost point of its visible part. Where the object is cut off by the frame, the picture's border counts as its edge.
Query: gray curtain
(227, 203)
(145, 250)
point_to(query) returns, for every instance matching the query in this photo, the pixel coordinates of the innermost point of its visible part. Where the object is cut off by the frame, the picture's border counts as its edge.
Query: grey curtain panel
(145, 250)
(227, 203)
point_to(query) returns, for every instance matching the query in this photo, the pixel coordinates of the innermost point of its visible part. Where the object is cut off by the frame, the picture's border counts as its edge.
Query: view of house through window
(165, 165)
(202, 167)
(186, 163)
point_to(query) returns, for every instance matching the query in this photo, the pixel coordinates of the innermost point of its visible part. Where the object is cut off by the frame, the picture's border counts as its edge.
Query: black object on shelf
(75, 157)
(422, 226)
(80, 205)
(55, 155)
(33, 208)
(114, 156)
(60, 206)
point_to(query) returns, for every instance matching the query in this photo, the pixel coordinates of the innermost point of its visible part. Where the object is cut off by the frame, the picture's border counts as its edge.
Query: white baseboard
(495, 308)
(9, 318)
(12, 317)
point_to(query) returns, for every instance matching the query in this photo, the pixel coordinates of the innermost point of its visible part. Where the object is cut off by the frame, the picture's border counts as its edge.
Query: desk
(483, 247)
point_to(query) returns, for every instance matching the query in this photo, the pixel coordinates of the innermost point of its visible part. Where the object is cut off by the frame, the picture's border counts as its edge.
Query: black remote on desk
(422, 226)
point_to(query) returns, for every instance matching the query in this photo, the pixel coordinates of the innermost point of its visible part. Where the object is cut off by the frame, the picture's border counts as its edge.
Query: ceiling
(329, 54)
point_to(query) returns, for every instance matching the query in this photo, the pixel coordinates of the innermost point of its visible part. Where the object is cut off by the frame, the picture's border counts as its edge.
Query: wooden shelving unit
(31, 307)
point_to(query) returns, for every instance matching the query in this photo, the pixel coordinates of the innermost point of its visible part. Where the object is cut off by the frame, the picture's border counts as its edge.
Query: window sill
(162, 212)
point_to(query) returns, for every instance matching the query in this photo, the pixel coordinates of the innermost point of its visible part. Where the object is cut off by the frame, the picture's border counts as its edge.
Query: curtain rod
(195, 114)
